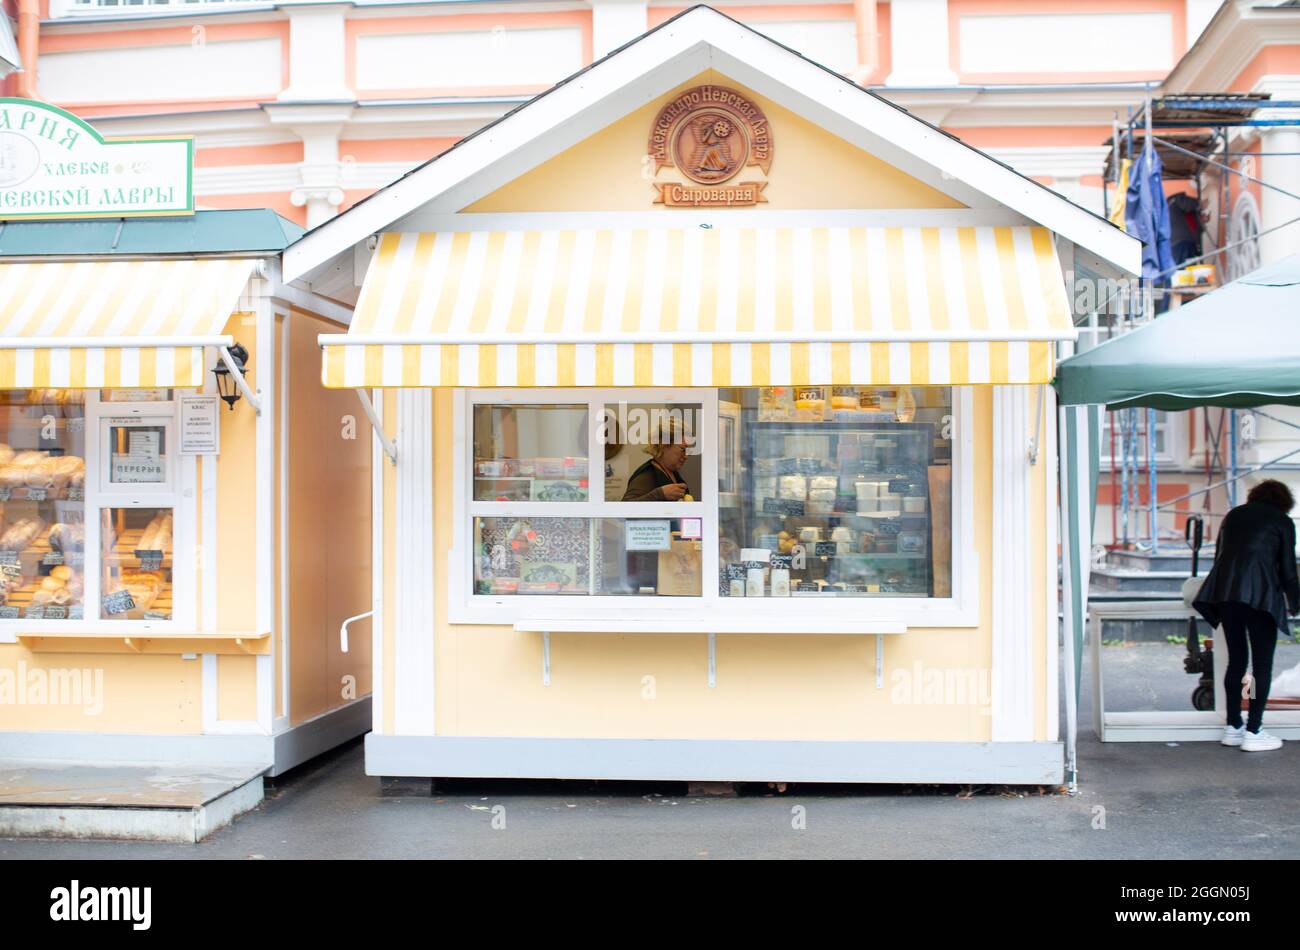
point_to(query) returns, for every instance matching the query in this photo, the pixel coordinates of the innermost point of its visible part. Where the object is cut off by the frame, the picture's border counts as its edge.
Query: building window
(1128, 428)
(1243, 240)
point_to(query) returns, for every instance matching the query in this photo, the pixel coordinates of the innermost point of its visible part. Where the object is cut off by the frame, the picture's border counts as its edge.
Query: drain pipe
(29, 41)
(864, 19)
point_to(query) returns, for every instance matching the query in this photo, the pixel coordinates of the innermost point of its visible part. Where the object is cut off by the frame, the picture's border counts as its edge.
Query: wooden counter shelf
(148, 641)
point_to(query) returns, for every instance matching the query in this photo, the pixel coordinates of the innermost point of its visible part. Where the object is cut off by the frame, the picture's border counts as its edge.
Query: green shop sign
(54, 165)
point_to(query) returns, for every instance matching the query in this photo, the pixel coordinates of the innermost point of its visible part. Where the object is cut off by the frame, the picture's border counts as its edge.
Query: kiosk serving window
(89, 495)
(552, 517)
(775, 493)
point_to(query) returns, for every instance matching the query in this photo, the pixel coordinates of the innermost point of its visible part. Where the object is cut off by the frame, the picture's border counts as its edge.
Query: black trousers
(1241, 624)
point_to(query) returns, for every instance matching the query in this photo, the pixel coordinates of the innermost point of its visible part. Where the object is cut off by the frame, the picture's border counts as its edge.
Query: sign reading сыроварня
(54, 165)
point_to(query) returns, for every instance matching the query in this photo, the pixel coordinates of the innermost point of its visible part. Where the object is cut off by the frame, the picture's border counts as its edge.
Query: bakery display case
(42, 504)
(136, 563)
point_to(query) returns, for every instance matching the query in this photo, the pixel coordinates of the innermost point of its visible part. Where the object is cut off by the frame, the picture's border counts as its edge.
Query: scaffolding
(1192, 134)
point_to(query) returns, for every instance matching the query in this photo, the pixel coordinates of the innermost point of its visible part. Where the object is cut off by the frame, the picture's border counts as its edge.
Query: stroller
(1198, 659)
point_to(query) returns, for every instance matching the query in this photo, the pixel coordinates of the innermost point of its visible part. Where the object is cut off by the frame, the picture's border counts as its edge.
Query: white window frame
(178, 495)
(1173, 423)
(961, 610)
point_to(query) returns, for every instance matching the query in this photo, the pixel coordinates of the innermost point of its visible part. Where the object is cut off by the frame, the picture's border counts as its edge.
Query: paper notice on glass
(144, 443)
(137, 469)
(200, 425)
(647, 536)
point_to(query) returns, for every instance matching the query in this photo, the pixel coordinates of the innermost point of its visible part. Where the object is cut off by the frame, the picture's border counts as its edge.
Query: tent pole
(1151, 480)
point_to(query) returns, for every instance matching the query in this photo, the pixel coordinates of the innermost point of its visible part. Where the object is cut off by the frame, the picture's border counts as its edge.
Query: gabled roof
(239, 233)
(698, 39)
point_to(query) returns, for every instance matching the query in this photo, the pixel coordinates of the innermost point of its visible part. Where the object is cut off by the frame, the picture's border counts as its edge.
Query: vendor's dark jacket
(647, 482)
(1254, 564)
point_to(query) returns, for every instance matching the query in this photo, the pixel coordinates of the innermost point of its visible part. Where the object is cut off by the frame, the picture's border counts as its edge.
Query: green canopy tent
(1236, 347)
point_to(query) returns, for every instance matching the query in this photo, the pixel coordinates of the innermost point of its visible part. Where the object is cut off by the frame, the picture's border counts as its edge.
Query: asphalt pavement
(1190, 800)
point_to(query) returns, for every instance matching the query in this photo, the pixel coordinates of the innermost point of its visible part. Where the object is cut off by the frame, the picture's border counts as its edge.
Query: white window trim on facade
(1243, 241)
(803, 615)
(177, 494)
(1174, 426)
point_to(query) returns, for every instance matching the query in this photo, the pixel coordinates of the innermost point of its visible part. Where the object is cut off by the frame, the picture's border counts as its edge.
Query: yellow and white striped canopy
(115, 324)
(705, 307)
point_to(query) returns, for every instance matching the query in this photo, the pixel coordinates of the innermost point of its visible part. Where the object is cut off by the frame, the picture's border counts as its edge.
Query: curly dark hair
(1272, 492)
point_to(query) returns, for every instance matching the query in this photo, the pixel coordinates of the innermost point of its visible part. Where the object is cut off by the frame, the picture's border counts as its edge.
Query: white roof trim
(9, 58)
(638, 73)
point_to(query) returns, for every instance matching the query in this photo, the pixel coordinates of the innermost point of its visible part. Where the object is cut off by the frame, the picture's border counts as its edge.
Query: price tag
(9, 613)
(35, 613)
(149, 560)
(781, 561)
(782, 506)
(156, 615)
(13, 569)
(118, 602)
(37, 494)
(75, 558)
(55, 613)
(826, 548)
(52, 559)
(77, 493)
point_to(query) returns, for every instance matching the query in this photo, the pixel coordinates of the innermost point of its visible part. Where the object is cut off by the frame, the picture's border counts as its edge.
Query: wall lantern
(234, 358)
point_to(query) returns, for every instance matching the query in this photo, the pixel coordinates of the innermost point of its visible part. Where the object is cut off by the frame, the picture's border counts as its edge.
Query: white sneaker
(1260, 742)
(1233, 736)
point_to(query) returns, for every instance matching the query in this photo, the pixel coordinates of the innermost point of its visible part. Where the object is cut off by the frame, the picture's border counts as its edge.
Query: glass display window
(847, 492)
(135, 560)
(531, 453)
(91, 512)
(42, 504)
(550, 517)
(590, 557)
(137, 453)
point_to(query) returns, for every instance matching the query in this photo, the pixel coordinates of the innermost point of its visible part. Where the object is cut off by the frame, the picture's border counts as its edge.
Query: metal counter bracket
(1035, 443)
(388, 445)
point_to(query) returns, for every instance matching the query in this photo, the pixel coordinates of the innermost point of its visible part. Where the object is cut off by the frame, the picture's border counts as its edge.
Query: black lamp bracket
(237, 374)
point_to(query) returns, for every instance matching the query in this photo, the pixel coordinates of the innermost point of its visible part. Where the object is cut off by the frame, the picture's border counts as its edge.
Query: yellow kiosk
(712, 432)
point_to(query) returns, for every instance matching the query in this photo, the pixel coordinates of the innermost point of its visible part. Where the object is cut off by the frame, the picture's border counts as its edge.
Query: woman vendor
(660, 477)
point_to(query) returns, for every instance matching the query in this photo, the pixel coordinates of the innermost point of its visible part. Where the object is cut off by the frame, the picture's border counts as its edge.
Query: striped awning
(705, 307)
(113, 323)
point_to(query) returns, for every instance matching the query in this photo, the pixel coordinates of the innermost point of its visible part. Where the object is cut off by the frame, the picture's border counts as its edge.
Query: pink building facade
(308, 107)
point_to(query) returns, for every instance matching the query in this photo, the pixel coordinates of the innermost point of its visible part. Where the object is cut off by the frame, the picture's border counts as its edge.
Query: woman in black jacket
(1249, 592)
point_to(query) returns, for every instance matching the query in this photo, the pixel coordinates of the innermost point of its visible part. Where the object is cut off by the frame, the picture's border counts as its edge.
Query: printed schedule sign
(200, 425)
(648, 536)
